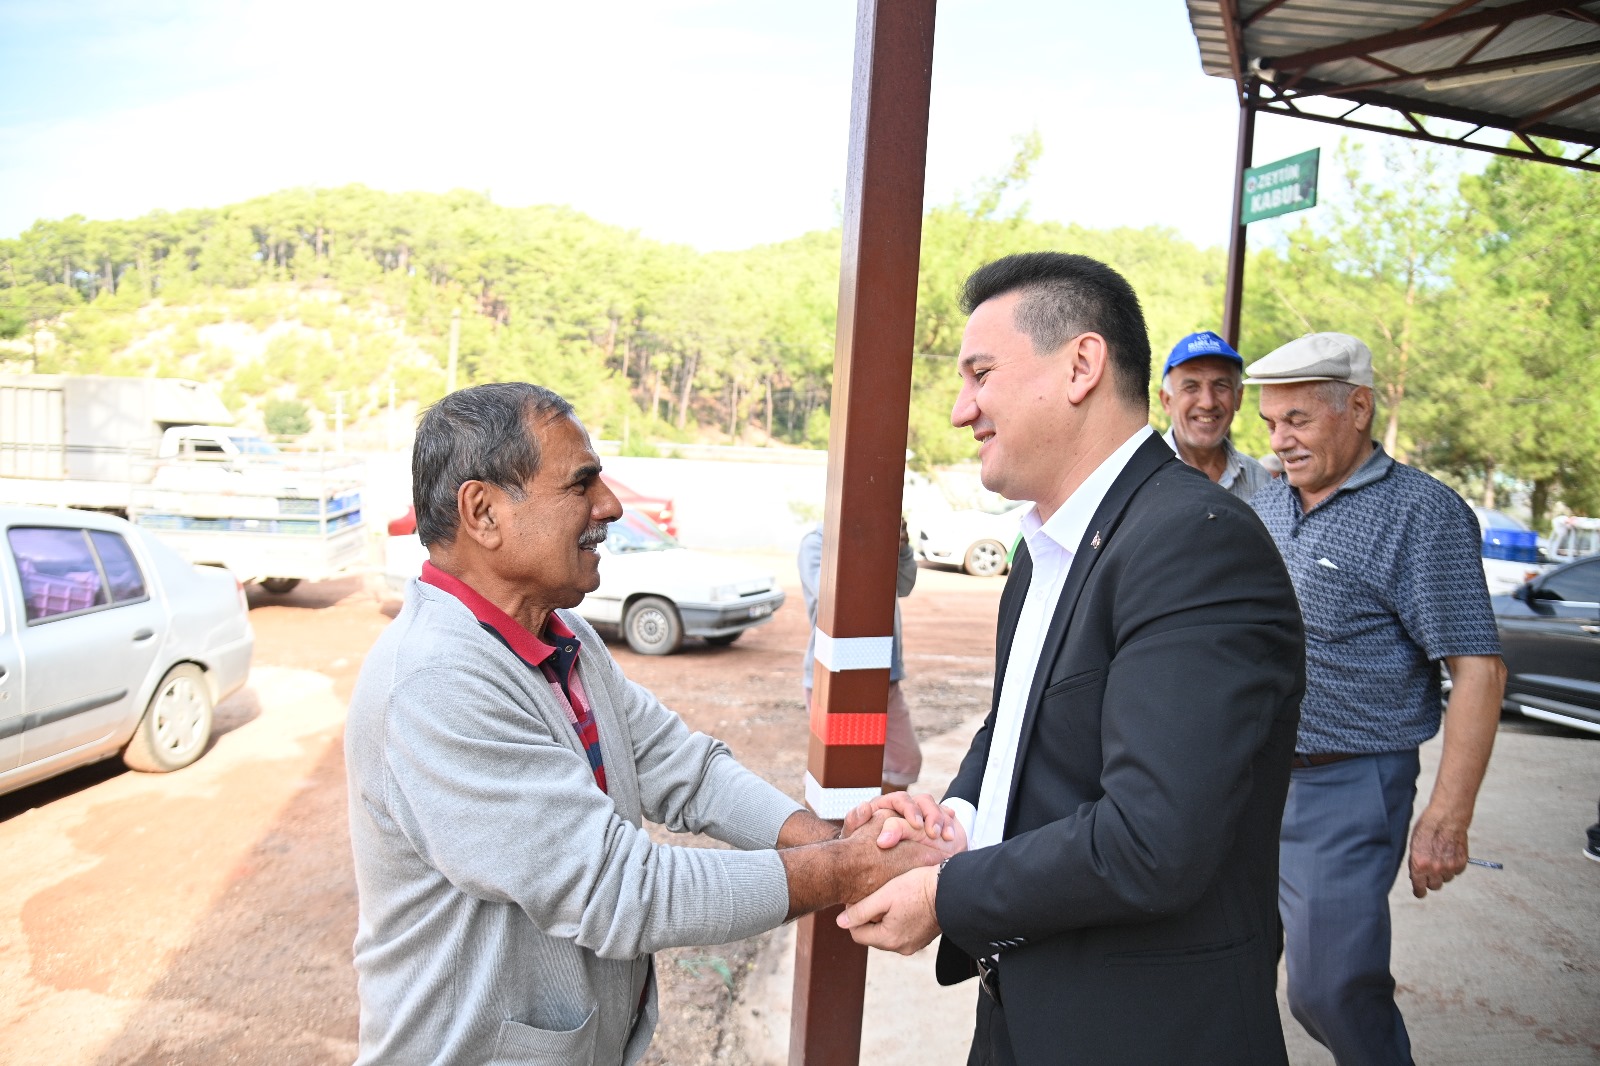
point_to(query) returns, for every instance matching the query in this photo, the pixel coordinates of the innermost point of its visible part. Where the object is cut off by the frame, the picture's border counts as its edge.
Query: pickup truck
(157, 452)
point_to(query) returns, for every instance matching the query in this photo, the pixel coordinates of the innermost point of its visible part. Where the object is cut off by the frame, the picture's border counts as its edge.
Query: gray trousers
(1344, 835)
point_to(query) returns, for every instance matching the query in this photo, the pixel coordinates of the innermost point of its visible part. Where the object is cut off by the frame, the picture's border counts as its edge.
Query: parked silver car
(109, 644)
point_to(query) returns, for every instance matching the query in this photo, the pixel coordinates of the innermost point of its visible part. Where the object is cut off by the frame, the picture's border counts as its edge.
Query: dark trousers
(991, 1043)
(1344, 835)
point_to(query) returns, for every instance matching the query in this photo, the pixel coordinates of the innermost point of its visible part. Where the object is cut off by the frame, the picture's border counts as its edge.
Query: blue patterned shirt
(1389, 578)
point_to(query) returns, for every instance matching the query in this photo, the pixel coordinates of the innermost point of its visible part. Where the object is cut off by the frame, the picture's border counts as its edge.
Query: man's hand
(920, 812)
(843, 871)
(900, 916)
(1471, 719)
(1438, 852)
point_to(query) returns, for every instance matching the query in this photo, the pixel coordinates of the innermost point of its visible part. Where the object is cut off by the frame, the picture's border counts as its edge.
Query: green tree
(286, 418)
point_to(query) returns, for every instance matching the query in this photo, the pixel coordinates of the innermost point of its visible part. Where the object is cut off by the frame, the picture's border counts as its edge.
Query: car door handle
(143, 634)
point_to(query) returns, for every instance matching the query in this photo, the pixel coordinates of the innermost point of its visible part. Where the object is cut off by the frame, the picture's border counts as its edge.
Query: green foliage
(286, 418)
(1476, 295)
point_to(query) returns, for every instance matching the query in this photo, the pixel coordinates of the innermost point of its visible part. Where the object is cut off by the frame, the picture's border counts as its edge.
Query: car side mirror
(1523, 592)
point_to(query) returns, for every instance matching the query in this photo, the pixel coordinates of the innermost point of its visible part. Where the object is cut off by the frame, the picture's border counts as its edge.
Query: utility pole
(866, 476)
(455, 349)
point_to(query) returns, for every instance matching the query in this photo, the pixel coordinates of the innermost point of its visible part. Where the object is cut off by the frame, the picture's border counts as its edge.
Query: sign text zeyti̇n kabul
(1281, 187)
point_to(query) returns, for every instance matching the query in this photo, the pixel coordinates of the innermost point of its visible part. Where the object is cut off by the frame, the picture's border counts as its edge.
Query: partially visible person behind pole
(1384, 560)
(1201, 388)
(902, 756)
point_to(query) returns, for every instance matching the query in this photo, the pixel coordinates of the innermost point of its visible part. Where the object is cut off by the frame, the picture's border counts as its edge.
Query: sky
(715, 124)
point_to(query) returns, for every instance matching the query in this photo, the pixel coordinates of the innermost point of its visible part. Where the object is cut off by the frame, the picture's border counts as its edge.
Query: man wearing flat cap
(1202, 385)
(1385, 562)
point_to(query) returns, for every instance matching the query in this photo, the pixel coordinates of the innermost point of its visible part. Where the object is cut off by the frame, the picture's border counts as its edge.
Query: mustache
(593, 537)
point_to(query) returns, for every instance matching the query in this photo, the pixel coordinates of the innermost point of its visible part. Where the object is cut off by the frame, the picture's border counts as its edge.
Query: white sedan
(109, 644)
(979, 542)
(653, 589)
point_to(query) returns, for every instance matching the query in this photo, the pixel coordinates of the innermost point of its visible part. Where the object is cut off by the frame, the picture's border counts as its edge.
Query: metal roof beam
(1579, 162)
(1561, 105)
(1232, 33)
(1571, 51)
(1424, 32)
(1402, 104)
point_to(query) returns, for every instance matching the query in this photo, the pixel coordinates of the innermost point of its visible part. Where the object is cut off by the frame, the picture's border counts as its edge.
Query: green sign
(1281, 187)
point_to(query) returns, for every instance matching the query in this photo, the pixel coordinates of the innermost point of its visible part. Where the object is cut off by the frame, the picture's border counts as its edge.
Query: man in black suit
(1123, 799)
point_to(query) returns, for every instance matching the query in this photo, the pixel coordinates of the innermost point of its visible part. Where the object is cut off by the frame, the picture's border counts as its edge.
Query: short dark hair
(483, 433)
(1064, 295)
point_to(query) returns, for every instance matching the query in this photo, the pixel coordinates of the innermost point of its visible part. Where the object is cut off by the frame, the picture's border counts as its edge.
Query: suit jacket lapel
(1145, 461)
(1011, 598)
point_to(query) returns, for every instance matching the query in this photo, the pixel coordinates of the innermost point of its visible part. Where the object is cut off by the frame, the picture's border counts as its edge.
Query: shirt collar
(1374, 468)
(518, 637)
(1066, 527)
(1233, 467)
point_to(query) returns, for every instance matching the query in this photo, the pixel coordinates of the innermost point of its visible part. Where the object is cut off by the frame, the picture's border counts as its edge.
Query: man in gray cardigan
(500, 766)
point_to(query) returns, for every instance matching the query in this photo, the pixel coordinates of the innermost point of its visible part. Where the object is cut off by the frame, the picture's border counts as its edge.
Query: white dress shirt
(1051, 546)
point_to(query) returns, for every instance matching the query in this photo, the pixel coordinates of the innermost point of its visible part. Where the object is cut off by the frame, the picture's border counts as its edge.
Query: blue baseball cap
(1198, 345)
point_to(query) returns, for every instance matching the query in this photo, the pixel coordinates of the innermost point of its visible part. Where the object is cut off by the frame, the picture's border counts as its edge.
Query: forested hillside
(1479, 301)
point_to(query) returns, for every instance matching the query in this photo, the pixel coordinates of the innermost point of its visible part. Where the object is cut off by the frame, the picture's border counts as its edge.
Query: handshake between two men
(890, 889)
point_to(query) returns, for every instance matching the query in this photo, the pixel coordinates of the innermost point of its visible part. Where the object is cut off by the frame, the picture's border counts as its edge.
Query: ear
(476, 505)
(1088, 361)
(1363, 408)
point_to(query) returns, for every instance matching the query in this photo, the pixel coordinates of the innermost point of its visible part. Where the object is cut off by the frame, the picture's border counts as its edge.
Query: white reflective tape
(853, 653)
(834, 803)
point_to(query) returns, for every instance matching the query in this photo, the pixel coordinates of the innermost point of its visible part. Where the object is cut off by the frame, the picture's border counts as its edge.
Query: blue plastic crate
(1515, 545)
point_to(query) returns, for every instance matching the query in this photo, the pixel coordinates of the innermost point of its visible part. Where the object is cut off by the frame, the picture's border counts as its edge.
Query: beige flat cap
(1314, 357)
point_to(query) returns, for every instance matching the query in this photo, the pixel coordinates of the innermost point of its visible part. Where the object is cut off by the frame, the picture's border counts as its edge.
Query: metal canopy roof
(1473, 74)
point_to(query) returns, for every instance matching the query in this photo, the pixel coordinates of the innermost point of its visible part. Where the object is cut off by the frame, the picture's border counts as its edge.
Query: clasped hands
(899, 916)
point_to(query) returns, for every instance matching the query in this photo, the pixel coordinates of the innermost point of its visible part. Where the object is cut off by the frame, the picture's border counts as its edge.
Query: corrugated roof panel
(1303, 25)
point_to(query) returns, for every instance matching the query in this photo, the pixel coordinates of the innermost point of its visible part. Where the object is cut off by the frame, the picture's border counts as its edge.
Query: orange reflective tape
(846, 729)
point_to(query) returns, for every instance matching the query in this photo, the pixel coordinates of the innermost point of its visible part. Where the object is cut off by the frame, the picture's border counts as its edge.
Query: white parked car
(977, 541)
(109, 644)
(653, 589)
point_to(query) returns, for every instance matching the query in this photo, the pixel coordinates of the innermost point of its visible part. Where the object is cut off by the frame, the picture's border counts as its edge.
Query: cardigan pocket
(523, 1045)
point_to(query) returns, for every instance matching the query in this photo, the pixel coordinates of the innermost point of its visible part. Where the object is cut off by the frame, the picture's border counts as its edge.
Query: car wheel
(651, 626)
(279, 585)
(176, 726)
(985, 558)
(724, 640)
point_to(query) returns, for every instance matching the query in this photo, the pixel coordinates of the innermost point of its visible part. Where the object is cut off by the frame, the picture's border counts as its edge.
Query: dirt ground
(206, 917)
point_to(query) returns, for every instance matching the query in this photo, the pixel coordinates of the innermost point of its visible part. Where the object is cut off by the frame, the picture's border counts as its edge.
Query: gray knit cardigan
(508, 907)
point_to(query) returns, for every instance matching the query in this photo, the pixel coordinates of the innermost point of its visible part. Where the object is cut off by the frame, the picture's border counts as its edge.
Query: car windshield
(633, 532)
(249, 444)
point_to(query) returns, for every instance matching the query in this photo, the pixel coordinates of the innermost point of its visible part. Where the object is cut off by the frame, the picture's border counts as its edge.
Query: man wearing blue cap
(1202, 386)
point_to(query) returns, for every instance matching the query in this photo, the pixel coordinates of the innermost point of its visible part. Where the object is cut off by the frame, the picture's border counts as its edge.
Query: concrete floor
(1502, 967)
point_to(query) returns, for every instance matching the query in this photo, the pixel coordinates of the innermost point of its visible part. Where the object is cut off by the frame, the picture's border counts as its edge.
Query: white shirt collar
(1067, 526)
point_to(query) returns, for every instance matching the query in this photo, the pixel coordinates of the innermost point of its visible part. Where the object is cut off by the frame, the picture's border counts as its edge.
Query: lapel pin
(1095, 543)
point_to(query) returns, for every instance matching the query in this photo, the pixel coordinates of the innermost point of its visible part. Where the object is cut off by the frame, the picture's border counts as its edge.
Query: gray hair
(479, 434)
(1336, 394)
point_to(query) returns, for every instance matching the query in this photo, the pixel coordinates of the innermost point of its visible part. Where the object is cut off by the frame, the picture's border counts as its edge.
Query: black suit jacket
(1133, 901)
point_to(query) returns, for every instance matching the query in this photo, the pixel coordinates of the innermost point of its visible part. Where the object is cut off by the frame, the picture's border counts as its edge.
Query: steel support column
(1233, 298)
(866, 471)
